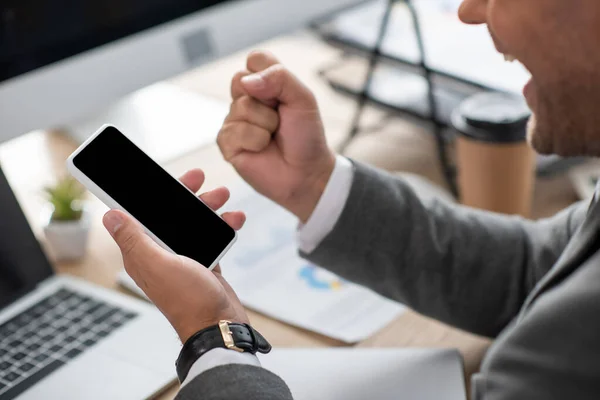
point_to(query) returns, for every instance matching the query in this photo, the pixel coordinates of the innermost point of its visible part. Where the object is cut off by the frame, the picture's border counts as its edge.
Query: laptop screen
(23, 264)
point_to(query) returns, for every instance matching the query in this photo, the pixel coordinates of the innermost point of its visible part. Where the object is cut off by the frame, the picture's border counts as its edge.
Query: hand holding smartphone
(125, 178)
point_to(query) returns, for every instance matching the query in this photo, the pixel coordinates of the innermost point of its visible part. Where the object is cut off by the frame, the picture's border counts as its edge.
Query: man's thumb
(128, 234)
(277, 83)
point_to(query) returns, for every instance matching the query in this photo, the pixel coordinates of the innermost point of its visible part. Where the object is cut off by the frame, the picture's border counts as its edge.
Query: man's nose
(473, 12)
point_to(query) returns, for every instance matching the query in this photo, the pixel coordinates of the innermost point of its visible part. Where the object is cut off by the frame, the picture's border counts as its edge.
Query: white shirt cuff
(329, 208)
(216, 358)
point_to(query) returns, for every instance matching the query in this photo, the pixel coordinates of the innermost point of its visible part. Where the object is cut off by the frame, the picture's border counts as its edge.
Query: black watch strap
(233, 336)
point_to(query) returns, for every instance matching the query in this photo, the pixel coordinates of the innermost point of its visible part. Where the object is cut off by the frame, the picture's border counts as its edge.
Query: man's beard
(566, 122)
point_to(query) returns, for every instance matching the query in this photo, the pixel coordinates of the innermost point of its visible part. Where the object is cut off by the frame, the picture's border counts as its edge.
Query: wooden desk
(35, 159)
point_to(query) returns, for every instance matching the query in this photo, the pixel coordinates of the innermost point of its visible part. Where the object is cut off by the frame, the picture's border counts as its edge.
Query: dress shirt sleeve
(216, 358)
(329, 208)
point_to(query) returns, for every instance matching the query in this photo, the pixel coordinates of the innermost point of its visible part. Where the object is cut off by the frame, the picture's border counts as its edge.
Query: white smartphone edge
(114, 205)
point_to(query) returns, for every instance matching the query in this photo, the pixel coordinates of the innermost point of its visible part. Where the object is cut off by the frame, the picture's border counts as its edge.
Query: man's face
(557, 41)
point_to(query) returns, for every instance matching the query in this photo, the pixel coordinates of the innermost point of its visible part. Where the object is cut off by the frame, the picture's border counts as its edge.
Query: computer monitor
(61, 60)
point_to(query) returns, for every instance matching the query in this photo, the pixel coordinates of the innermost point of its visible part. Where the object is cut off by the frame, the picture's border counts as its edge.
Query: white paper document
(266, 272)
(268, 275)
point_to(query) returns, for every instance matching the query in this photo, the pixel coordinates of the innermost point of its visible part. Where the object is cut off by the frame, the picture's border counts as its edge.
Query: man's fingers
(277, 83)
(236, 137)
(193, 179)
(235, 219)
(216, 199)
(237, 89)
(259, 60)
(138, 250)
(248, 109)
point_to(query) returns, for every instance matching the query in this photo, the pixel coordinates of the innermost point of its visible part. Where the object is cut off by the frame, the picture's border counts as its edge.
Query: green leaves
(66, 198)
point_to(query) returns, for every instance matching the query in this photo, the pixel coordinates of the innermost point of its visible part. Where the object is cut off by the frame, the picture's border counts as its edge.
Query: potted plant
(67, 224)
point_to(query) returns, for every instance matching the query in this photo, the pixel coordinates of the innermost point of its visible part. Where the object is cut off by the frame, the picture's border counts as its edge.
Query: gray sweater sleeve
(236, 382)
(468, 268)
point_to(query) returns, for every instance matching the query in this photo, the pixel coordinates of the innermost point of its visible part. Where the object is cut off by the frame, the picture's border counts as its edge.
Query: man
(533, 286)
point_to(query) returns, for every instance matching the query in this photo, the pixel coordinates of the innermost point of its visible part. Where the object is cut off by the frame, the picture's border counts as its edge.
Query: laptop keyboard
(51, 333)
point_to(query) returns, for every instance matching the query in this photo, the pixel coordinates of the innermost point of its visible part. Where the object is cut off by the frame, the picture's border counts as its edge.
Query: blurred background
(66, 64)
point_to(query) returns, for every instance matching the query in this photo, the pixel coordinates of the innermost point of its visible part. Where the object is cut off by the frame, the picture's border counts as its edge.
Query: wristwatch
(237, 337)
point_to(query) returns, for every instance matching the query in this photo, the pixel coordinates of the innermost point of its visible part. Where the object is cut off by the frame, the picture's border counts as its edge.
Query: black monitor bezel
(84, 43)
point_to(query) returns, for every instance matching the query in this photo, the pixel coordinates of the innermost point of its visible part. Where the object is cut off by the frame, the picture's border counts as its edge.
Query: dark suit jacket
(533, 286)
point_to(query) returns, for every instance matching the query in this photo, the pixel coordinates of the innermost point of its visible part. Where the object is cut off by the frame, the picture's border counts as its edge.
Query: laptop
(378, 374)
(63, 338)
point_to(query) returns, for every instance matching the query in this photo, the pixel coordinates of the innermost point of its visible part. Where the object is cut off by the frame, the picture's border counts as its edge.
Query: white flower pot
(67, 240)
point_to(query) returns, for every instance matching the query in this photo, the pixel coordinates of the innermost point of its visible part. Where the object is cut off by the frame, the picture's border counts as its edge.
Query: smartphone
(122, 176)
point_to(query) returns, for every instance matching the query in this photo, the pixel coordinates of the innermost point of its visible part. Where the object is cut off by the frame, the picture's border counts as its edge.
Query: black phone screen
(154, 197)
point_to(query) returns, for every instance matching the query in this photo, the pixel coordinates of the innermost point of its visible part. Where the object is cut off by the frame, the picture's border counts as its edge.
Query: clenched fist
(274, 136)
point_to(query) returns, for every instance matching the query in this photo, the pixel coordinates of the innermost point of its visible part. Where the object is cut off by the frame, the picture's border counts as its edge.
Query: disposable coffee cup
(496, 166)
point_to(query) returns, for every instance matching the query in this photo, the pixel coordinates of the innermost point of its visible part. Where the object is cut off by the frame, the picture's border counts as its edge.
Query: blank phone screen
(154, 197)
